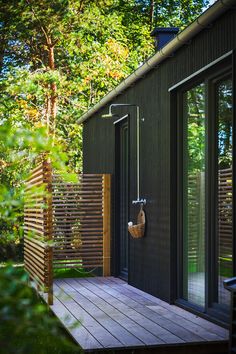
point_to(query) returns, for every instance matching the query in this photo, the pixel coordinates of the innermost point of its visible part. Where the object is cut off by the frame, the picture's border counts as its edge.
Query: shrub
(26, 326)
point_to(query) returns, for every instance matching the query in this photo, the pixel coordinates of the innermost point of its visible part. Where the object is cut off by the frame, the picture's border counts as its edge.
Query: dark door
(122, 163)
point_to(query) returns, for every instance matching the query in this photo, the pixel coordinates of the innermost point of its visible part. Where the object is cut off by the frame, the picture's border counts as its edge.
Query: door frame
(117, 127)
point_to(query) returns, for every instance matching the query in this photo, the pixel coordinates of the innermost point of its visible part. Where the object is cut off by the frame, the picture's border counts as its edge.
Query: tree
(168, 13)
(69, 58)
(87, 46)
(57, 59)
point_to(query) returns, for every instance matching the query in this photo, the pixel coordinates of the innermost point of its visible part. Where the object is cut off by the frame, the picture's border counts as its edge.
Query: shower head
(108, 115)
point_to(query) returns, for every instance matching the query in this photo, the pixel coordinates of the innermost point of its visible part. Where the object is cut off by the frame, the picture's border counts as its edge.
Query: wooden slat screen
(78, 222)
(37, 228)
(66, 224)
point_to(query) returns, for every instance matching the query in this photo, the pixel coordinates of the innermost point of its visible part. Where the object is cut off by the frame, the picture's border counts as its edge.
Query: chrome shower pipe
(109, 115)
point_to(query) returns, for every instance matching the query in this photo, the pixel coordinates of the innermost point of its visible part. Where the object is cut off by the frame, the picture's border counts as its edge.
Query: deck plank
(120, 317)
(206, 333)
(185, 329)
(89, 305)
(105, 338)
(77, 331)
(115, 315)
(148, 318)
(111, 308)
(220, 331)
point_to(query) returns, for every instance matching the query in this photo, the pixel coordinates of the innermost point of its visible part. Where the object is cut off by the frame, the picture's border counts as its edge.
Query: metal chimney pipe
(163, 35)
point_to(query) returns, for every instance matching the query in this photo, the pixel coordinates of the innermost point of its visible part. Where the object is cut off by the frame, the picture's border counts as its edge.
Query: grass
(225, 271)
(16, 265)
(58, 273)
(71, 273)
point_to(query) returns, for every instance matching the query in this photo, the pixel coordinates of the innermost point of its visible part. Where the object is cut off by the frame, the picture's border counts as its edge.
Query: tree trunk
(51, 100)
(47, 113)
(53, 93)
(3, 45)
(151, 14)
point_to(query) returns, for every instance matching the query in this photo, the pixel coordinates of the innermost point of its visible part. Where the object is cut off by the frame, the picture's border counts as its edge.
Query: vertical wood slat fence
(75, 217)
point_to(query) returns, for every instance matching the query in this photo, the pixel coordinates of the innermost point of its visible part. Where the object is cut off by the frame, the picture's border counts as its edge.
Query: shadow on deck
(116, 316)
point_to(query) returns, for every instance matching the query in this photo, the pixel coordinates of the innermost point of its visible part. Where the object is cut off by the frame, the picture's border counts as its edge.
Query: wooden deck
(115, 315)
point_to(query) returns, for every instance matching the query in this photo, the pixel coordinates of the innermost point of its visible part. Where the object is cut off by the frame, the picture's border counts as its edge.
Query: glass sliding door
(224, 230)
(205, 193)
(194, 166)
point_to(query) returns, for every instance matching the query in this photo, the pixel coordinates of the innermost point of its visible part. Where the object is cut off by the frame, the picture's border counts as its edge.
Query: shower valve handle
(139, 201)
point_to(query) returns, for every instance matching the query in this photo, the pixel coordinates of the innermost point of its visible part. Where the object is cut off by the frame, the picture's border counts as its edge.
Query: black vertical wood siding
(150, 257)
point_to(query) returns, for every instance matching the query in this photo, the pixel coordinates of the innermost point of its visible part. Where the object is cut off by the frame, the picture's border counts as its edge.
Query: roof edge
(180, 39)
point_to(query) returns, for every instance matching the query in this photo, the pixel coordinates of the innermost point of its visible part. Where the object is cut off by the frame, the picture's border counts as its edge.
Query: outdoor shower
(110, 115)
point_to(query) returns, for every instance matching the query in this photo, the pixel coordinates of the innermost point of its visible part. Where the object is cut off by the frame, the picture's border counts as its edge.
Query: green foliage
(196, 126)
(162, 13)
(95, 44)
(19, 148)
(26, 325)
(225, 132)
(178, 13)
(196, 131)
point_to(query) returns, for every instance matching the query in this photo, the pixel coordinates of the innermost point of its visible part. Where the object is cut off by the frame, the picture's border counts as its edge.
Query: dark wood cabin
(187, 166)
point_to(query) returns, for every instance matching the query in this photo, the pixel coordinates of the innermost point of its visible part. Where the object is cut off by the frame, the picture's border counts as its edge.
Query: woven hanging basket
(138, 230)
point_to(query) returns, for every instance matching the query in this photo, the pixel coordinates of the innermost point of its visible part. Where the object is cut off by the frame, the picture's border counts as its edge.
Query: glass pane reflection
(224, 219)
(194, 196)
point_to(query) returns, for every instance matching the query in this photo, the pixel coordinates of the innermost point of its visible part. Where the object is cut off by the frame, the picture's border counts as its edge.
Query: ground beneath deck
(115, 315)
